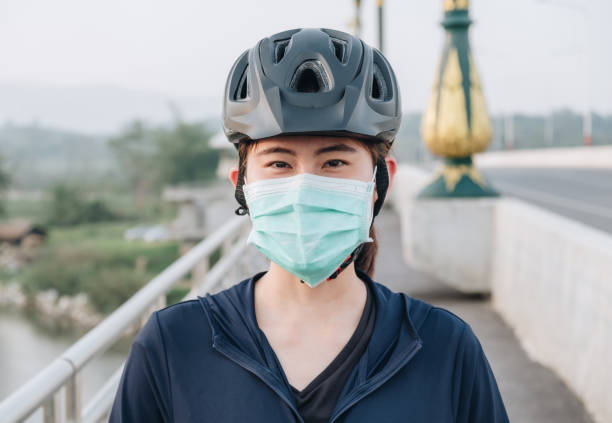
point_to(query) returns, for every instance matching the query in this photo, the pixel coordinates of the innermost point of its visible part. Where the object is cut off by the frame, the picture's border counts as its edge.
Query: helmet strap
(239, 195)
(382, 183)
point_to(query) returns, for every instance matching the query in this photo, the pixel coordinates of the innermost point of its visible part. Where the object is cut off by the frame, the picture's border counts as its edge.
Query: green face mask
(309, 224)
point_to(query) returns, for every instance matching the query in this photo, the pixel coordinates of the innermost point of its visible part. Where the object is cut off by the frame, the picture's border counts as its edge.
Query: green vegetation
(152, 157)
(94, 259)
(87, 190)
(27, 208)
(4, 182)
(70, 207)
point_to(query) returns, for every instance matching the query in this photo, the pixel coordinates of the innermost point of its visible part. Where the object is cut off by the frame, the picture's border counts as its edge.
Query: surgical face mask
(309, 224)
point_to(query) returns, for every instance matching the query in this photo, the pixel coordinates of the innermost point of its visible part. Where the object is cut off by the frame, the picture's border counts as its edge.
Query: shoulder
(446, 332)
(180, 314)
(424, 316)
(445, 321)
(175, 324)
(436, 326)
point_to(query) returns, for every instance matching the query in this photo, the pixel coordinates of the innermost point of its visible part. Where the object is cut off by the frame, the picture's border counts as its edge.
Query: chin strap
(344, 264)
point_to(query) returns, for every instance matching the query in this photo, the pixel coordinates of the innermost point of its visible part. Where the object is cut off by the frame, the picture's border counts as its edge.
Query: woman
(313, 114)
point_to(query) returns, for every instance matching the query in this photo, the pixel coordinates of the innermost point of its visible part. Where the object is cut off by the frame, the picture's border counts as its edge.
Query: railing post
(51, 408)
(227, 246)
(73, 399)
(199, 272)
(225, 249)
(161, 303)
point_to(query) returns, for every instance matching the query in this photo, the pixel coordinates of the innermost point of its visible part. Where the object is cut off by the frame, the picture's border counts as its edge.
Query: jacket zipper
(369, 388)
(219, 346)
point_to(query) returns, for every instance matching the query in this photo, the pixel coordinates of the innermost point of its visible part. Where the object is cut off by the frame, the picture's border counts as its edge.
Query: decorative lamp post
(381, 32)
(357, 22)
(456, 124)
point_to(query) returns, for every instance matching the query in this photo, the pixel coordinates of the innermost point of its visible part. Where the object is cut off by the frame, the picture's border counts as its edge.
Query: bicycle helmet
(312, 81)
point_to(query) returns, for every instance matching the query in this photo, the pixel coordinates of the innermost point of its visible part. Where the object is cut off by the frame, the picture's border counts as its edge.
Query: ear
(391, 169)
(233, 175)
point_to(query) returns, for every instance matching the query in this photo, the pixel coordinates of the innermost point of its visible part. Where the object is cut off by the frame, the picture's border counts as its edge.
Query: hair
(366, 260)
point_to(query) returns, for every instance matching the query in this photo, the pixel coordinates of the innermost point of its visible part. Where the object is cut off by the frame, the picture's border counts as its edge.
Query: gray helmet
(308, 81)
(312, 81)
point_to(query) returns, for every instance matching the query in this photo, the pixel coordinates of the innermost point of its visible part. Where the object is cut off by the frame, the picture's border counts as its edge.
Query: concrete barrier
(594, 157)
(552, 283)
(449, 239)
(550, 279)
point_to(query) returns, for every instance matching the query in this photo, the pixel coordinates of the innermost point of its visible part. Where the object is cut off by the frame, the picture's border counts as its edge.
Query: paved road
(531, 392)
(580, 194)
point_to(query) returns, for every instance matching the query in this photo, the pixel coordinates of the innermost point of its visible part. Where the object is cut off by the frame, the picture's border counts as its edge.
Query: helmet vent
(242, 90)
(280, 48)
(339, 49)
(310, 77)
(379, 86)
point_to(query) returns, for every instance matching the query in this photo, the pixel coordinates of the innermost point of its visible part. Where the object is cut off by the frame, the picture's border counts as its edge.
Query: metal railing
(57, 388)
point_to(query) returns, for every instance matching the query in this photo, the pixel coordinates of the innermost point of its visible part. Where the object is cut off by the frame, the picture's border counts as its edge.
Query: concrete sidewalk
(531, 392)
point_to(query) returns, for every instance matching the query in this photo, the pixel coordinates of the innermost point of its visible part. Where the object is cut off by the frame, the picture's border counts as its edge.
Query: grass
(26, 209)
(148, 208)
(96, 260)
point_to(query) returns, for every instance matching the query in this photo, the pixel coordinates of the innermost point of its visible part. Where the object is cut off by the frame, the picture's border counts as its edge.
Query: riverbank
(64, 311)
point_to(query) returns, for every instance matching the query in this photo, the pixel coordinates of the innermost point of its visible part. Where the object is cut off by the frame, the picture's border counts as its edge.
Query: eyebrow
(323, 150)
(336, 147)
(276, 150)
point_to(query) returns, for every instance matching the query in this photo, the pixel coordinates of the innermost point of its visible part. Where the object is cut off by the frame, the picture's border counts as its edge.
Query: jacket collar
(394, 341)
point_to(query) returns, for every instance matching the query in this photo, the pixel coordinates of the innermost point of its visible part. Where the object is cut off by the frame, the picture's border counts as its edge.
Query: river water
(27, 346)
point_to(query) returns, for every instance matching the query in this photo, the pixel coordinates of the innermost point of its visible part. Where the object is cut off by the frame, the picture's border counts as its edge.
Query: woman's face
(284, 156)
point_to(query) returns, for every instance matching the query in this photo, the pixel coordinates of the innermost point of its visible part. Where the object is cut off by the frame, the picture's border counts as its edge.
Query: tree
(184, 155)
(4, 183)
(69, 207)
(153, 157)
(135, 150)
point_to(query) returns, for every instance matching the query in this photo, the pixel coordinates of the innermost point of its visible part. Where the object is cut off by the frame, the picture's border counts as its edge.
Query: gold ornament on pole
(456, 123)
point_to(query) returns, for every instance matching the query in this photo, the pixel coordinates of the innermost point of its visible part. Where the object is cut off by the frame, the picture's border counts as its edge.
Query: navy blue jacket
(206, 360)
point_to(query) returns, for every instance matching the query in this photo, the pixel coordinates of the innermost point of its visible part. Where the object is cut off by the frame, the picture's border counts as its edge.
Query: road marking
(543, 197)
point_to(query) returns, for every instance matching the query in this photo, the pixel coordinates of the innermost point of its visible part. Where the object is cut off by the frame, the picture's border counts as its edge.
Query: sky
(91, 65)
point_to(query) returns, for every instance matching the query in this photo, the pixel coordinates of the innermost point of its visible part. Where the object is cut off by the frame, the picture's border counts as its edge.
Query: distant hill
(37, 157)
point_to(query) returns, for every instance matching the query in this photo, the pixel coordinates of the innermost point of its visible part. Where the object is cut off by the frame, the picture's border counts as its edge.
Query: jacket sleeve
(144, 390)
(476, 396)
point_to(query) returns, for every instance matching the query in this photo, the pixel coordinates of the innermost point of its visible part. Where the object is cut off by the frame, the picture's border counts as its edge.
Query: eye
(278, 165)
(334, 163)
